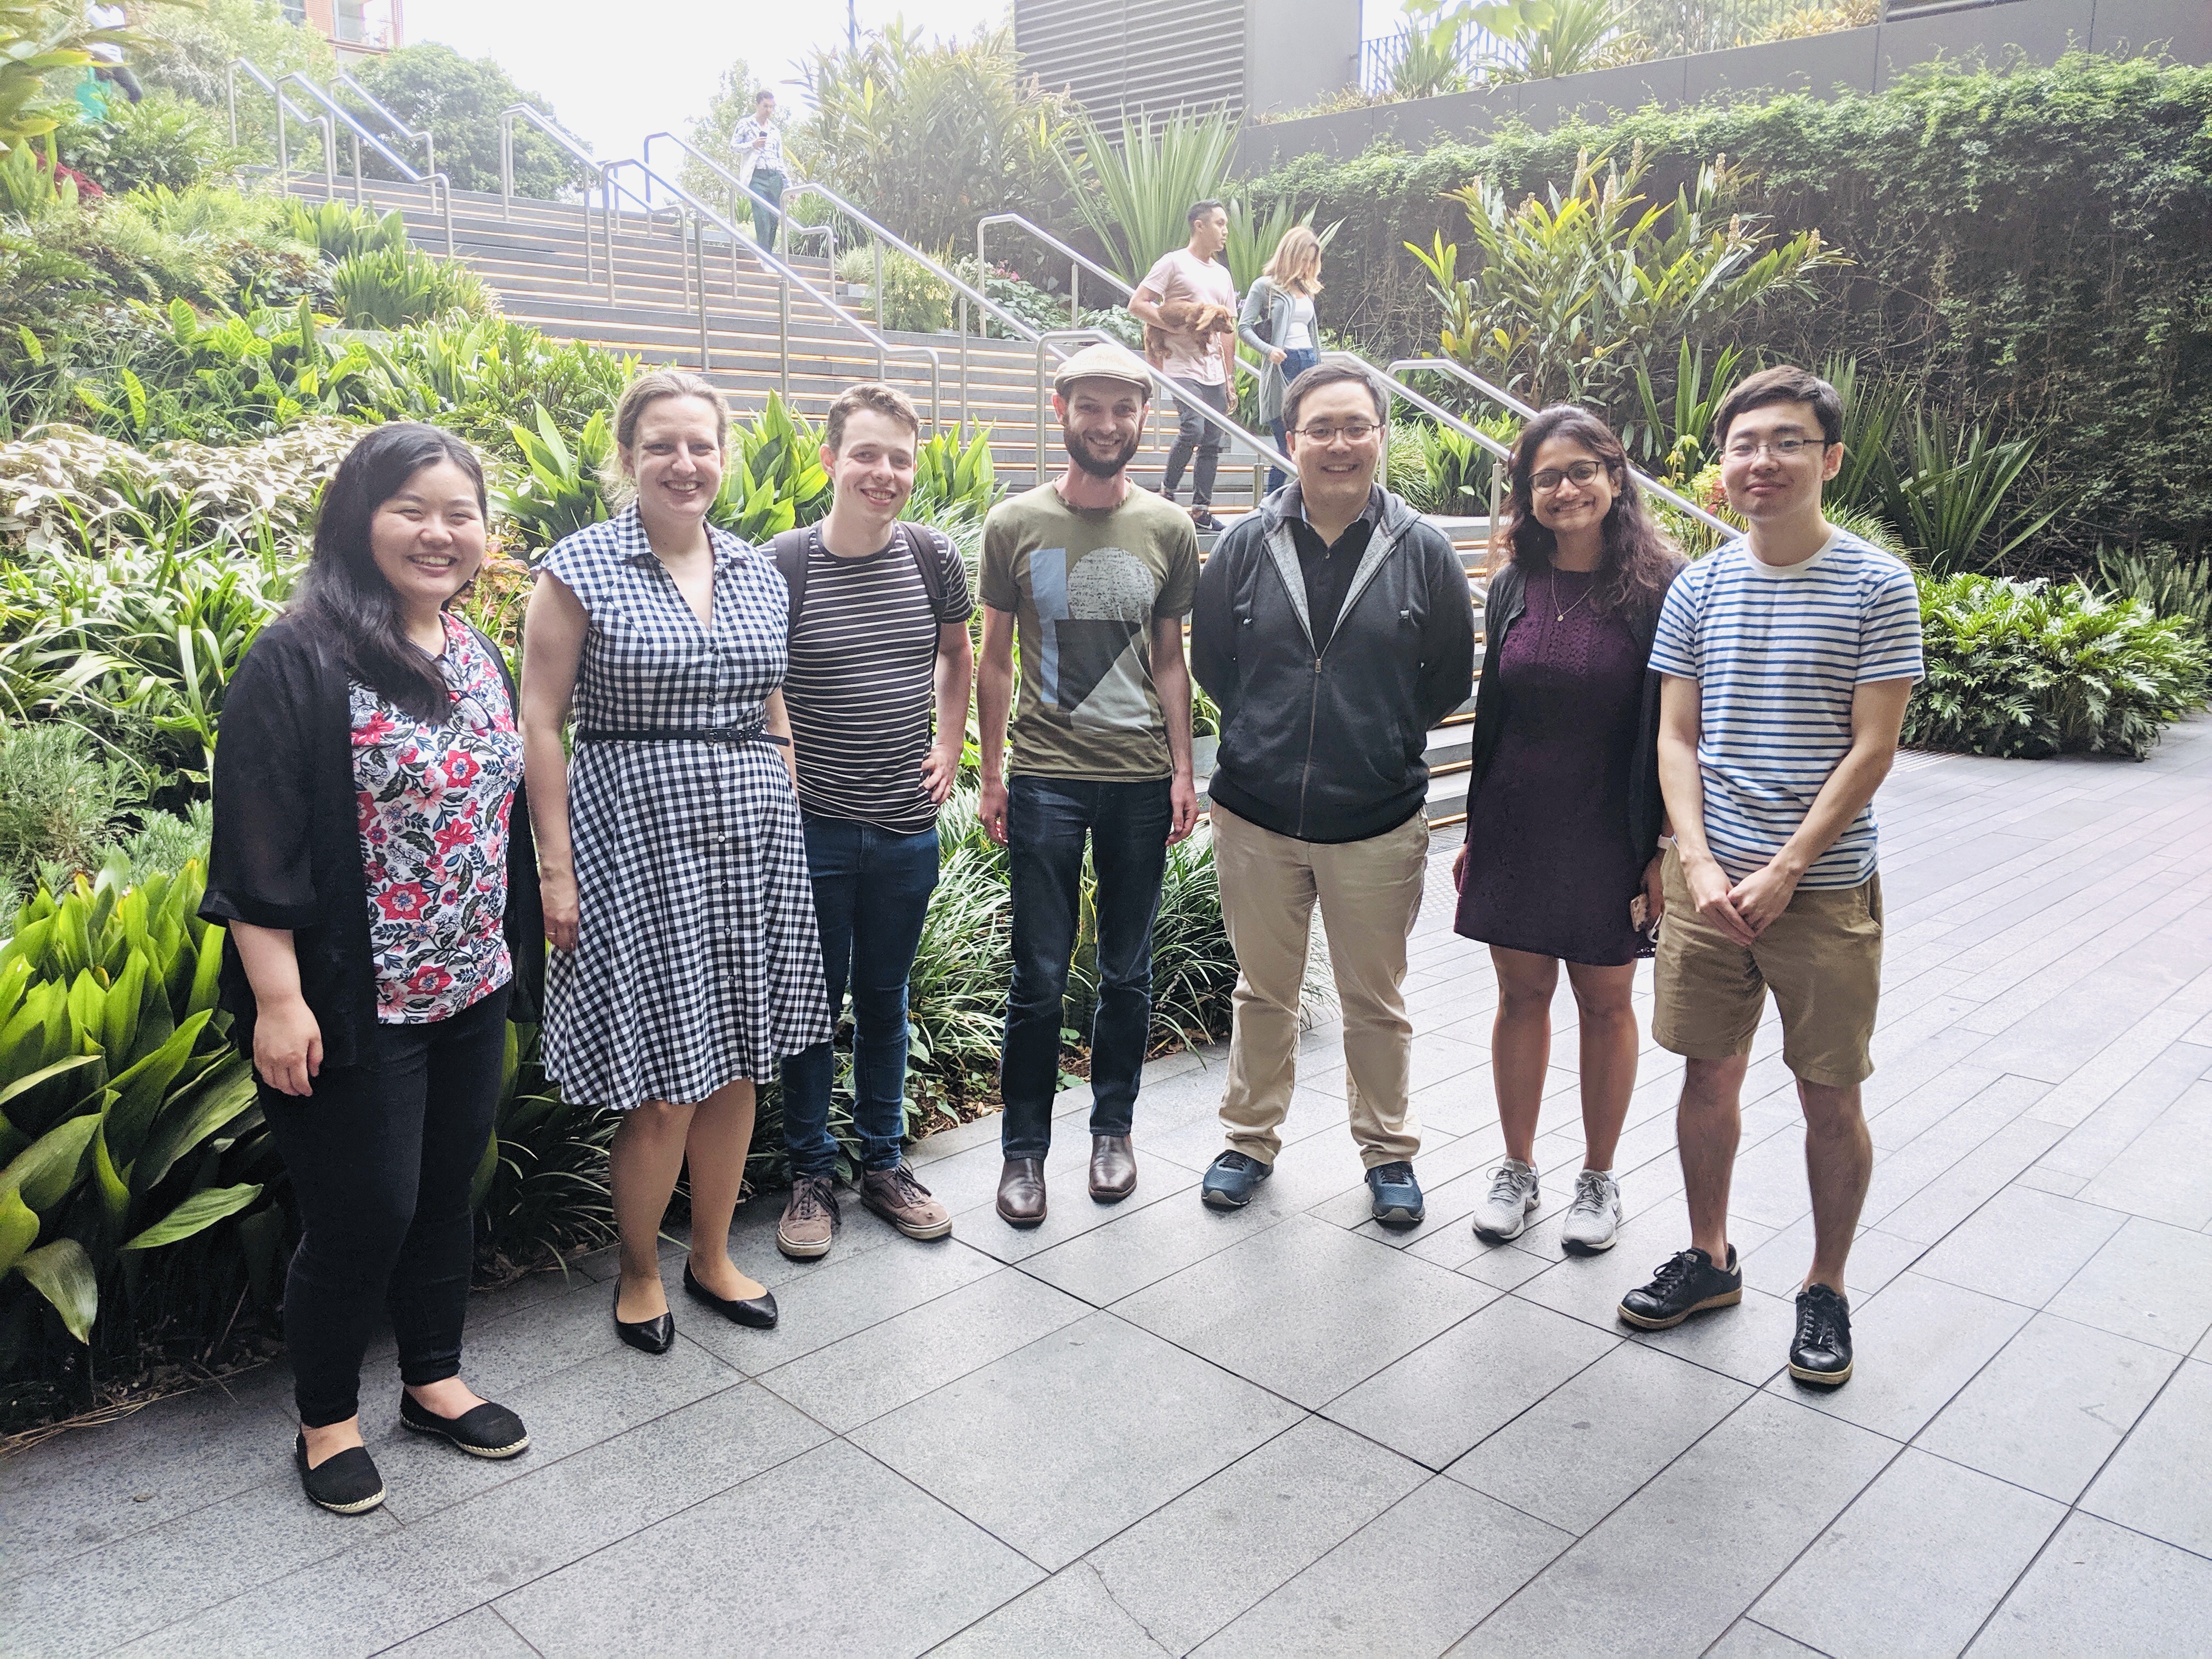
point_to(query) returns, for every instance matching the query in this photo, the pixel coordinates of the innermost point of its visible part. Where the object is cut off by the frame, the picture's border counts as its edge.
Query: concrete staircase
(532, 254)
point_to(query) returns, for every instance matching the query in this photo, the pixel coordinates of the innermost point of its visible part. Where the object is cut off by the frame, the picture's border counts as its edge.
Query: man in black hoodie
(1333, 627)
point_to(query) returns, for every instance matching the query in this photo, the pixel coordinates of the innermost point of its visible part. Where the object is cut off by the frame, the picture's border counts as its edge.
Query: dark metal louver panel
(1134, 54)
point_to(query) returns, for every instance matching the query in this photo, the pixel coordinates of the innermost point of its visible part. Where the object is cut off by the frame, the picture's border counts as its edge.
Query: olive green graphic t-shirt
(1083, 586)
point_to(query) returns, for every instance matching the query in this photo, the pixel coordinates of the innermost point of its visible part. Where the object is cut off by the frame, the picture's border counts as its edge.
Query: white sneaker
(1513, 1196)
(1594, 1218)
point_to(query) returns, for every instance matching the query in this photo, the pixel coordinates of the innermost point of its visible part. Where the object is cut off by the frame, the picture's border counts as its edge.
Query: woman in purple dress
(1564, 814)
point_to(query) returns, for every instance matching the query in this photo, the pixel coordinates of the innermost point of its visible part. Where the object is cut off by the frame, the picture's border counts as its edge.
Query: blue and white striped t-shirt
(1776, 652)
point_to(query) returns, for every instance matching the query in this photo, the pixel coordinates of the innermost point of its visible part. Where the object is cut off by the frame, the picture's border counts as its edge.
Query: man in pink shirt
(1203, 366)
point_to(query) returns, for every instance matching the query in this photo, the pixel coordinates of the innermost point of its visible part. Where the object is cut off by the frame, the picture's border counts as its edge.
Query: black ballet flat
(758, 1312)
(646, 1336)
(345, 1485)
(486, 1431)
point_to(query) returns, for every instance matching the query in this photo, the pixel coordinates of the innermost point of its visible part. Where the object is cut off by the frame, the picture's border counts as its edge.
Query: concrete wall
(1298, 51)
(1851, 60)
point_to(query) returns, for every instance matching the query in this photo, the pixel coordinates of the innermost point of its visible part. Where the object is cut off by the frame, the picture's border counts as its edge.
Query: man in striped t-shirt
(1787, 659)
(878, 629)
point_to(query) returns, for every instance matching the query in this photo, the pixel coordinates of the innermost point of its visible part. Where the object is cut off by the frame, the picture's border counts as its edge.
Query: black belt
(680, 734)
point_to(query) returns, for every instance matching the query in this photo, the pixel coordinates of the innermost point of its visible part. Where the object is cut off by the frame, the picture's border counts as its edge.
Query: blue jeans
(1295, 363)
(1047, 821)
(872, 889)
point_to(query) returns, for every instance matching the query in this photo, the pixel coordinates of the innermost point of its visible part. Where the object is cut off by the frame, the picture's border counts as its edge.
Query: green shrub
(2027, 669)
(952, 483)
(59, 801)
(914, 300)
(162, 140)
(2163, 579)
(337, 230)
(472, 376)
(540, 1190)
(1439, 469)
(387, 288)
(773, 478)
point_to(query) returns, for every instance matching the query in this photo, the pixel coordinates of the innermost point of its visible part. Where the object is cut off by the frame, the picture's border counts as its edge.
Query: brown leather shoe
(1021, 1192)
(1113, 1169)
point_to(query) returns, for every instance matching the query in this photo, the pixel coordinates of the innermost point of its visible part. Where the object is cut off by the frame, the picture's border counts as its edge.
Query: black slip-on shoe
(1686, 1283)
(655, 1336)
(345, 1485)
(758, 1312)
(486, 1431)
(1821, 1352)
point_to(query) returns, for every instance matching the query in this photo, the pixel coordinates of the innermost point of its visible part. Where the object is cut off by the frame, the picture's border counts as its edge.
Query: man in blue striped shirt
(1788, 657)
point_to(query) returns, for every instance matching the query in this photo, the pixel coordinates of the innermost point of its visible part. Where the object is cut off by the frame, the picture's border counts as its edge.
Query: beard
(1085, 457)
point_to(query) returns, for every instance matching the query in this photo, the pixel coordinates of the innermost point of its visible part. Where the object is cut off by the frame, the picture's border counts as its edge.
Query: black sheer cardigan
(287, 851)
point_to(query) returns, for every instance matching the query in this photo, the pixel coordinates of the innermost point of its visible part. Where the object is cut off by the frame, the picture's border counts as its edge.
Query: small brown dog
(1186, 318)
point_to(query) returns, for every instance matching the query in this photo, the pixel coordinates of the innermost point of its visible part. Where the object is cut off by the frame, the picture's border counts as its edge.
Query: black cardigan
(1508, 600)
(286, 850)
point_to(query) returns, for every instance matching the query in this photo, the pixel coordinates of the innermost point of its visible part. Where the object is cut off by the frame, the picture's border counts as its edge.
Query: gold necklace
(1558, 615)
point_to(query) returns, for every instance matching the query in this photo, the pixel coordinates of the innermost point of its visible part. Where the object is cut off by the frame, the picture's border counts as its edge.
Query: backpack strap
(789, 551)
(923, 546)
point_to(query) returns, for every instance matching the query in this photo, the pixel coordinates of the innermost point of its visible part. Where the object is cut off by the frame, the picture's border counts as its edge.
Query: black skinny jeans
(382, 1155)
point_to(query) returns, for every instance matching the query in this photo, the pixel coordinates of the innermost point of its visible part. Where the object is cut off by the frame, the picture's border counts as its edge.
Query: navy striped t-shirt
(1776, 652)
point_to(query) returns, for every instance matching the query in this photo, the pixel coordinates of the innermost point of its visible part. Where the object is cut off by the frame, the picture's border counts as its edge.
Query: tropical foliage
(459, 99)
(1133, 188)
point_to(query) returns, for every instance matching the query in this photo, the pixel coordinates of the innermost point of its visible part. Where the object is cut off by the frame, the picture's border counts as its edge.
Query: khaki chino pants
(1369, 893)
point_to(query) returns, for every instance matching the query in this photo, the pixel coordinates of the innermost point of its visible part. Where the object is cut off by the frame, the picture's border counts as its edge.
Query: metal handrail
(399, 127)
(704, 215)
(567, 141)
(322, 124)
(440, 186)
(1042, 339)
(790, 225)
(1466, 377)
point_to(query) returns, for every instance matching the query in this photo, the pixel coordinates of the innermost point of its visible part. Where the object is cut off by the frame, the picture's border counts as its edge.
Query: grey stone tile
(1104, 1423)
(1581, 1451)
(1069, 1612)
(1914, 1566)
(1457, 1388)
(2153, 1483)
(1778, 1266)
(1146, 1246)
(824, 1301)
(1410, 1582)
(1747, 1639)
(101, 1600)
(2112, 1107)
(882, 1368)
(778, 1565)
(2150, 1281)
(1915, 1345)
(2166, 1173)
(2022, 1245)
(1306, 1309)
(1070, 1211)
(419, 1576)
(1187, 1569)
(2047, 1412)
(2099, 1588)
(2042, 1179)
(1963, 1188)
(1670, 1570)
(479, 1635)
(508, 1355)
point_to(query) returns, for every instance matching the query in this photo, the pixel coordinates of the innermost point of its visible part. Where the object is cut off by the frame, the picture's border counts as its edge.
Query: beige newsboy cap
(1103, 361)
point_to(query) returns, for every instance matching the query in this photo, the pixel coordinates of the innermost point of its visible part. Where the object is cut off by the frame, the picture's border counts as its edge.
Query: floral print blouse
(433, 804)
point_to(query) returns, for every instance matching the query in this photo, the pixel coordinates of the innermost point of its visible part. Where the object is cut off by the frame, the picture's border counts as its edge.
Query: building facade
(354, 27)
(1157, 56)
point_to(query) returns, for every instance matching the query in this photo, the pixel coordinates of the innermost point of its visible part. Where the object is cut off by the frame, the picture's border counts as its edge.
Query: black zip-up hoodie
(1327, 747)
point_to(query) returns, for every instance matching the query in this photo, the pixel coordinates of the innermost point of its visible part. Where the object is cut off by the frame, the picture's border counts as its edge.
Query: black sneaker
(1686, 1283)
(1230, 1180)
(1204, 522)
(1821, 1352)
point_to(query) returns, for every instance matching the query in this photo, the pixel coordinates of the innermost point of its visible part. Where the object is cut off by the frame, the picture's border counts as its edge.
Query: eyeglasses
(1782, 449)
(1543, 482)
(1324, 432)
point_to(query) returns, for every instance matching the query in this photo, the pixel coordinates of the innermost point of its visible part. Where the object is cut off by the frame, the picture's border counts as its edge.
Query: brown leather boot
(1113, 1169)
(1021, 1192)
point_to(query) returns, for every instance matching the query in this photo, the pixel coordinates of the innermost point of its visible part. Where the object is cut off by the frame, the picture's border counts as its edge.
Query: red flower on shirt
(457, 833)
(428, 979)
(404, 902)
(373, 730)
(460, 767)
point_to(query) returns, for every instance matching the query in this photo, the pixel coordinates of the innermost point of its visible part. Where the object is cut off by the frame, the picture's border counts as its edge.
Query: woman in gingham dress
(686, 962)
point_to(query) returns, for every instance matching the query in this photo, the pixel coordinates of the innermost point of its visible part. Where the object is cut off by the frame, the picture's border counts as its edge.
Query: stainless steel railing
(286, 111)
(399, 128)
(440, 187)
(561, 136)
(741, 190)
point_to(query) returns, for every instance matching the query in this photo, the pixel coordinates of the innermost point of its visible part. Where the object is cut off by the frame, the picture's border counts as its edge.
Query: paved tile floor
(1151, 1429)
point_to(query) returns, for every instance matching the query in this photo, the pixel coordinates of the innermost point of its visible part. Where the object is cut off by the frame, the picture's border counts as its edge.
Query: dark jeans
(1195, 432)
(381, 1156)
(769, 185)
(1294, 363)
(872, 891)
(1046, 820)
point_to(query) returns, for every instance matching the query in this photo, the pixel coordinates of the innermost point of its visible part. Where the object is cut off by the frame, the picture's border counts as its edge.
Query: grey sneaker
(810, 1218)
(1513, 1196)
(1594, 1218)
(903, 1201)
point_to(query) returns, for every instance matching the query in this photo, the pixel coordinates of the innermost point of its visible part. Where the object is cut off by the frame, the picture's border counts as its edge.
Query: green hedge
(2034, 242)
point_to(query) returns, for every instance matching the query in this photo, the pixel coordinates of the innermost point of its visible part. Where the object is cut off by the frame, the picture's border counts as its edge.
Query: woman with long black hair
(373, 864)
(1564, 814)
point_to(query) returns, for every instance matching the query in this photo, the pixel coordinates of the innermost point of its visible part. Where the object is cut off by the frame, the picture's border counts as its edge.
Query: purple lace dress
(1549, 869)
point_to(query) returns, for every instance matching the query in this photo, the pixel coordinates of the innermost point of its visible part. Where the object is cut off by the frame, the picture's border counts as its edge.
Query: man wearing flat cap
(1095, 576)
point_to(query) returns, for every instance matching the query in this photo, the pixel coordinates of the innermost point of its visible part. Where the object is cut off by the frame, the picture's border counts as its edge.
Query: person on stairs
(1202, 366)
(1334, 628)
(1096, 576)
(878, 632)
(1278, 322)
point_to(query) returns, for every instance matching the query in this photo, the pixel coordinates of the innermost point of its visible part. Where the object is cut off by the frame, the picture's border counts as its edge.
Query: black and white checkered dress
(697, 960)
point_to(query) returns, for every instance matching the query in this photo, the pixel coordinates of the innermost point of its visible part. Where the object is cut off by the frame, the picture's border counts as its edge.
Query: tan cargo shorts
(1822, 957)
